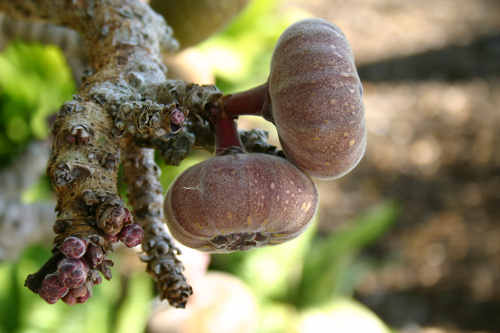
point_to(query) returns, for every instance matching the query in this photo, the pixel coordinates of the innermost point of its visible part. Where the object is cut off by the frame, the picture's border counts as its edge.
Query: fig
(315, 95)
(314, 98)
(239, 201)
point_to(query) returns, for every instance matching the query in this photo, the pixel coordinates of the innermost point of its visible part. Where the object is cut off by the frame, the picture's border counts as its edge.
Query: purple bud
(177, 117)
(79, 292)
(113, 218)
(72, 272)
(84, 298)
(127, 219)
(52, 288)
(131, 235)
(111, 238)
(94, 255)
(104, 268)
(95, 277)
(69, 299)
(73, 247)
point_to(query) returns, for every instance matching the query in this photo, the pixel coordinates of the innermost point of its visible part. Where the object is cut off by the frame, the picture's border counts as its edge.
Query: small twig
(146, 198)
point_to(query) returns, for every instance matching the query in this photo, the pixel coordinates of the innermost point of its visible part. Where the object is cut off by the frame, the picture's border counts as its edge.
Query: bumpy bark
(146, 197)
(125, 105)
(126, 97)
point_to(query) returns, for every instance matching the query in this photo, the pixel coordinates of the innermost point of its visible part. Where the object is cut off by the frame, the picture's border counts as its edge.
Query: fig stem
(227, 138)
(253, 102)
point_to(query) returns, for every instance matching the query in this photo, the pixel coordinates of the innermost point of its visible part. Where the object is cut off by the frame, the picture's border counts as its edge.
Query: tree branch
(146, 197)
(127, 97)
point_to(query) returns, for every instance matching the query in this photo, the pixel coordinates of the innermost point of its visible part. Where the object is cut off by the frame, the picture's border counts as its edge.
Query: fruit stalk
(227, 138)
(314, 98)
(252, 102)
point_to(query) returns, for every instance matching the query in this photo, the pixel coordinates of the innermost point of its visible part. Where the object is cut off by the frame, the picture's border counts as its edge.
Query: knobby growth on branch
(126, 108)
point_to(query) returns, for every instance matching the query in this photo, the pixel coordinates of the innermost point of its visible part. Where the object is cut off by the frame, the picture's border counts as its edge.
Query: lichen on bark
(126, 97)
(146, 197)
(125, 107)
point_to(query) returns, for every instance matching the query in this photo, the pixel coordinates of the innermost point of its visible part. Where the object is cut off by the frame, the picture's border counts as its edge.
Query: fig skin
(240, 201)
(315, 99)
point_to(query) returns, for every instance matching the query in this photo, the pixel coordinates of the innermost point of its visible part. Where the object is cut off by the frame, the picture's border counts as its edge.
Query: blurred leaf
(328, 260)
(277, 318)
(170, 172)
(9, 298)
(341, 316)
(269, 271)
(17, 129)
(39, 191)
(241, 55)
(134, 312)
(34, 82)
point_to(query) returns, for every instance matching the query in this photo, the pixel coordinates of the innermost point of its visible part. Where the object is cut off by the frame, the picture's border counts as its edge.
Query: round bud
(79, 291)
(73, 247)
(81, 294)
(69, 299)
(315, 95)
(72, 272)
(94, 255)
(111, 219)
(240, 201)
(52, 288)
(83, 299)
(131, 235)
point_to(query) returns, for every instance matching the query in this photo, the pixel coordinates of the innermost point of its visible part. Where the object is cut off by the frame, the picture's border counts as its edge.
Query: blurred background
(407, 242)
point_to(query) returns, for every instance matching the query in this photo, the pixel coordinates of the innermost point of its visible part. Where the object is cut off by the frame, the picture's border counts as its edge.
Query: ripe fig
(73, 247)
(315, 98)
(239, 201)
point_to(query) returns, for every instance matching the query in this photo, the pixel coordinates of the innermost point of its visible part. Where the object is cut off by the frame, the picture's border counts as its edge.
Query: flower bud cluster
(84, 254)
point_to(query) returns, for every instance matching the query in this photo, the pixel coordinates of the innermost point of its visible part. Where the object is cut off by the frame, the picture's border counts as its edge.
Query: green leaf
(269, 271)
(135, 310)
(329, 260)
